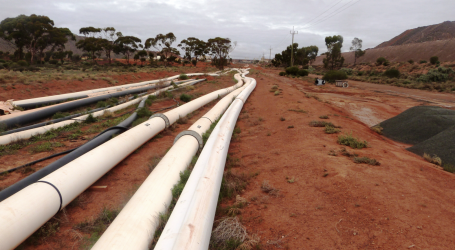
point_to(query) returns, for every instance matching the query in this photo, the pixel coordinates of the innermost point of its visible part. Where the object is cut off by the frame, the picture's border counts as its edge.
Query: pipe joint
(162, 116)
(193, 134)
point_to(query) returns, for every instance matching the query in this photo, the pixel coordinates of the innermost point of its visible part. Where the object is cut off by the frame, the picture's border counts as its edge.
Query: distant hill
(442, 31)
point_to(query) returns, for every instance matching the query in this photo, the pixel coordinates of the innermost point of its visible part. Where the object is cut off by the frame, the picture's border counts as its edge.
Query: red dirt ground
(403, 203)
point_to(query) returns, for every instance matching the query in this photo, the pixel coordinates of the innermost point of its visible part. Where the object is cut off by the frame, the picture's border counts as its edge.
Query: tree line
(305, 56)
(35, 38)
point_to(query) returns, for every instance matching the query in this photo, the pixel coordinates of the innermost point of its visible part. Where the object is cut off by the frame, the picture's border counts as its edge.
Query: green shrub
(381, 60)
(302, 72)
(422, 62)
(392, 73)
(366, 160)
(22, 63)
(440, 74)
(282, 73)
(143, 112)
(294, 70)
(183, 77)
(360, 73)
(348, 71)
(333, 75)
(90, 119)
(331, 130)
(185, 97)
(434, 60)
(53, 61)
(59, 115)
(2, 61)
(101, 104)
(386, 63)
(349, 140)
(411, 61)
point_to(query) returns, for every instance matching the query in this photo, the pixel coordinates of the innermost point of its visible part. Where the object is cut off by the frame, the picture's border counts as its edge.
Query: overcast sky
(256, 25)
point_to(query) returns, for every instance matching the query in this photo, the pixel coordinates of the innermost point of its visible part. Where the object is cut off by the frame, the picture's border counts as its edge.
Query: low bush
(348, 71)
(366, 160)
(440, 74)
(434, 60)
(349, 140)
(282, 73)
(302, 72)
(392, 73)
(294, 70)
(183, 77)
(144, 112)
(22, 63)
(380, 61)
(2, 61)
(386, 63)
(422, 62)
(90, 119)
(59, 115)
(185, 97)
(331, 130)
(333, 75)
(53, 61)
(411, 61)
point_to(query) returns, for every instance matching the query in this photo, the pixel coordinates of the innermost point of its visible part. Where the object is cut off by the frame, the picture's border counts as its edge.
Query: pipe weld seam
(162, 116)
(193, 134)
(240, 100)
(58, 191)
(207, 118)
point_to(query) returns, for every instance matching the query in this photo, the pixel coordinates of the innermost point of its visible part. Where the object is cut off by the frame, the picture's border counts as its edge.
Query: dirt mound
(441, 31)
(444, 49)
(441, 145)
(418, 124)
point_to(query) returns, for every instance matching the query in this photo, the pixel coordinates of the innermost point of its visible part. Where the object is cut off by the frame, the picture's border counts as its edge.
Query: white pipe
(191, 221)
(135, 225)
(85, 92)
(26, 134)
(24, 212)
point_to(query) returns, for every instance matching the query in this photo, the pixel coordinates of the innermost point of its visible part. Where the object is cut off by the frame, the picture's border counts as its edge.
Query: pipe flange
(207, 119)
(193, 134)
(164, 117)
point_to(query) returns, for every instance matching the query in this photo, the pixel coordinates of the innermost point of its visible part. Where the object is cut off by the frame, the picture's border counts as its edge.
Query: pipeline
(190, 224)
(5, 139)
(75, 153)
(39, 101)
(133, 228)
(27, 210)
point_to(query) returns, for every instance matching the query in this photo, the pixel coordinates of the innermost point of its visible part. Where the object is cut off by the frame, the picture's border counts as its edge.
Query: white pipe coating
(85, 92)
(191, 221)
(26, 134)
(24, 212)
(134, 227)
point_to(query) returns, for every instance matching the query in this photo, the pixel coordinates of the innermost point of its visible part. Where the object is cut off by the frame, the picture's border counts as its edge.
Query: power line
(323, 12)
(333, 14)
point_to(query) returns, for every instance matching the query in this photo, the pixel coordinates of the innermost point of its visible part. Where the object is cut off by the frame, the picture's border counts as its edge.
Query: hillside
(442, 31)
(444, 49)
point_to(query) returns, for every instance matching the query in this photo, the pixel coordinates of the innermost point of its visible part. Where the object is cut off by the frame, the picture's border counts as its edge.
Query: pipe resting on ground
(27, 210)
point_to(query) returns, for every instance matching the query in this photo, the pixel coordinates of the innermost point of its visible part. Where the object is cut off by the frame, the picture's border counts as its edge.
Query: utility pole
(292, 45)
(270, 57)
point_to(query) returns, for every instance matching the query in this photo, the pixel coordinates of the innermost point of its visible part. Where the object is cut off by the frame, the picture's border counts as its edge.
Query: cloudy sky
(256, 25)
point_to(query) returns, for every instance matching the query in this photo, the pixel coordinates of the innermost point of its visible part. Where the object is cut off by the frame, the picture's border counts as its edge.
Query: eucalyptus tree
(357, 48)
(220, 48)
(127, 45)
(193, 48)
(163, 43)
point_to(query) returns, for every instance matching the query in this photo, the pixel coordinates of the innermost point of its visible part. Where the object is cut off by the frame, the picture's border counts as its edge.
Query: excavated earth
(322, 200)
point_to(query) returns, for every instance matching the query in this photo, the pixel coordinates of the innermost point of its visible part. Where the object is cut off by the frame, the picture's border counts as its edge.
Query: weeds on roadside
(366, 160)
(46, 146)
(378, 129)
(268, 188)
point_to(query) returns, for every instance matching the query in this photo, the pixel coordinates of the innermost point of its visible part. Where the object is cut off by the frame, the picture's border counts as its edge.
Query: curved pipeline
(29, 103)
(5, 139)
(133, 228)
(75, 153)
(27, 210)
(190, 224)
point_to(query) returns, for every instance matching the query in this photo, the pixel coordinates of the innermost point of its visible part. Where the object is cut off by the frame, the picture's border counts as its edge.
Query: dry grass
(229, 228)
(366, 160)
(435, 159)
(269, 189)
(378, 129)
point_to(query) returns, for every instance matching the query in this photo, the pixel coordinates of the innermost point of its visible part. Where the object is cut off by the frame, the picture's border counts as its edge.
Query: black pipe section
(45, 103)
(46, 112)
(95, 142)
(41, 124)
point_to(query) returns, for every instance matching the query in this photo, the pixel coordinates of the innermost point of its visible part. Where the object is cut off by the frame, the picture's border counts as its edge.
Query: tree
(127, 45)
(333, 55)
(194, 48)
(357, 48)
(141, 55)
(108, 38)
(30, 33)
(55, 40)
(91, 43)
(163, 44)
(220, 48)
(312, 53)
